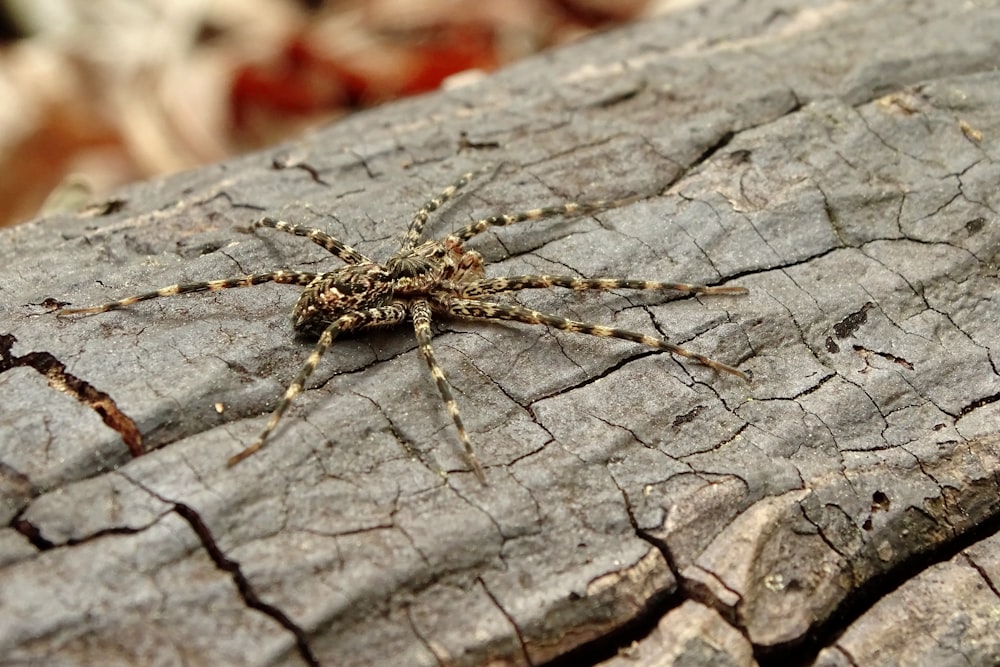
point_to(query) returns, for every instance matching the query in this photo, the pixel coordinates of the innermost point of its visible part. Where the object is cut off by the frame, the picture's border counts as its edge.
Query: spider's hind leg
(483, 287)
(484, 310)
(283, 277)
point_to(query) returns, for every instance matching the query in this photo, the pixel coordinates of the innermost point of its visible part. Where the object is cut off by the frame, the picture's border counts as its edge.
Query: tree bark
(841, 508)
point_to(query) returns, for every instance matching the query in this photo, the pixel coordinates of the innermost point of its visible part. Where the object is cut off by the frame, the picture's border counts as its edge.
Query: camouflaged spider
(423, 279)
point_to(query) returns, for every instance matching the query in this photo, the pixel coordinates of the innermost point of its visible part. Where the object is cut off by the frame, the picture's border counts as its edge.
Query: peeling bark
(833, 157)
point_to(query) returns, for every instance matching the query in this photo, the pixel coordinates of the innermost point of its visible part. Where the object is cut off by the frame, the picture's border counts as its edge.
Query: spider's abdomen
(352, 288)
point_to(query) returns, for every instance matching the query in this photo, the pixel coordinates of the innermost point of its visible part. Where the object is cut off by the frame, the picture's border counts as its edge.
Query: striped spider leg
(358, 319)
(423, 279)
(346, 322)
(321, 238)
(471, 307)
(282, 277)
(416, 229)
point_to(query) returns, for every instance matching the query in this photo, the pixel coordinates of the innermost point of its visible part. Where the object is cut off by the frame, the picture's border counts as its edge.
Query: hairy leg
(372, 317)
(421, 313)
(283, 277)
(502, 220)
(416, 229)
(317, 236)
(483, 310)
(487, 286)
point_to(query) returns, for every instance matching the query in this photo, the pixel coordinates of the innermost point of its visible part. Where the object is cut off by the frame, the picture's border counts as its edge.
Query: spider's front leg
(504, 219)
(370, 317)
(317, 236)
(416, 228)
(283, 277)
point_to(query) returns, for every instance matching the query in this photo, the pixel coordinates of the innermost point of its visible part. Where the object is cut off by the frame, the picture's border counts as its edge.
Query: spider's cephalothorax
(422, 280)
(433, 264)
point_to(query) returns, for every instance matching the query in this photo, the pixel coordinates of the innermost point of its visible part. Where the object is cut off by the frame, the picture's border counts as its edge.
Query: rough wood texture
(840, 159)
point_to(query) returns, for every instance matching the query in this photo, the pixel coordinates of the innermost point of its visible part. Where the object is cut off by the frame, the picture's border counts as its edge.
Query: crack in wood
(864, 352)
(58, 378)
(243, 585)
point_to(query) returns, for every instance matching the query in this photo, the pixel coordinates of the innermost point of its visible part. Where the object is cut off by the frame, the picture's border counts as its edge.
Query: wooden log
(835, 158)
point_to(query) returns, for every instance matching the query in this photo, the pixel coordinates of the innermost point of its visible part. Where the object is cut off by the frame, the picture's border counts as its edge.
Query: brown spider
(423, 279)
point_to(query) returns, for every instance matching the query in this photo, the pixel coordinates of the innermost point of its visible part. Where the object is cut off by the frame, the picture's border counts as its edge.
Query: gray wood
(946, 615)
(836, 158)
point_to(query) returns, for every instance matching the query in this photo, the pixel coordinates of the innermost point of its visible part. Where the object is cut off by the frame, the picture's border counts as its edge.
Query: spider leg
(485, 286)
(421, 314)
(416, 229)
(317, 236)
(502, 220)
(371, 317)
(484, 310)
(283, 277)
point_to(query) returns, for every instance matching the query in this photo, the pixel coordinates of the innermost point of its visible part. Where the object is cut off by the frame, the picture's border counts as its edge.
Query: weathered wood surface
(837, 158)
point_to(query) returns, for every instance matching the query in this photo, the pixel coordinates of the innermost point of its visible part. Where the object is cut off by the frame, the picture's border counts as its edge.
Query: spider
(423, 280)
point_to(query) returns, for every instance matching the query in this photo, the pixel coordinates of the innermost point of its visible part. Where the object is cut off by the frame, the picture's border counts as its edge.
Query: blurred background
(97, 93)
